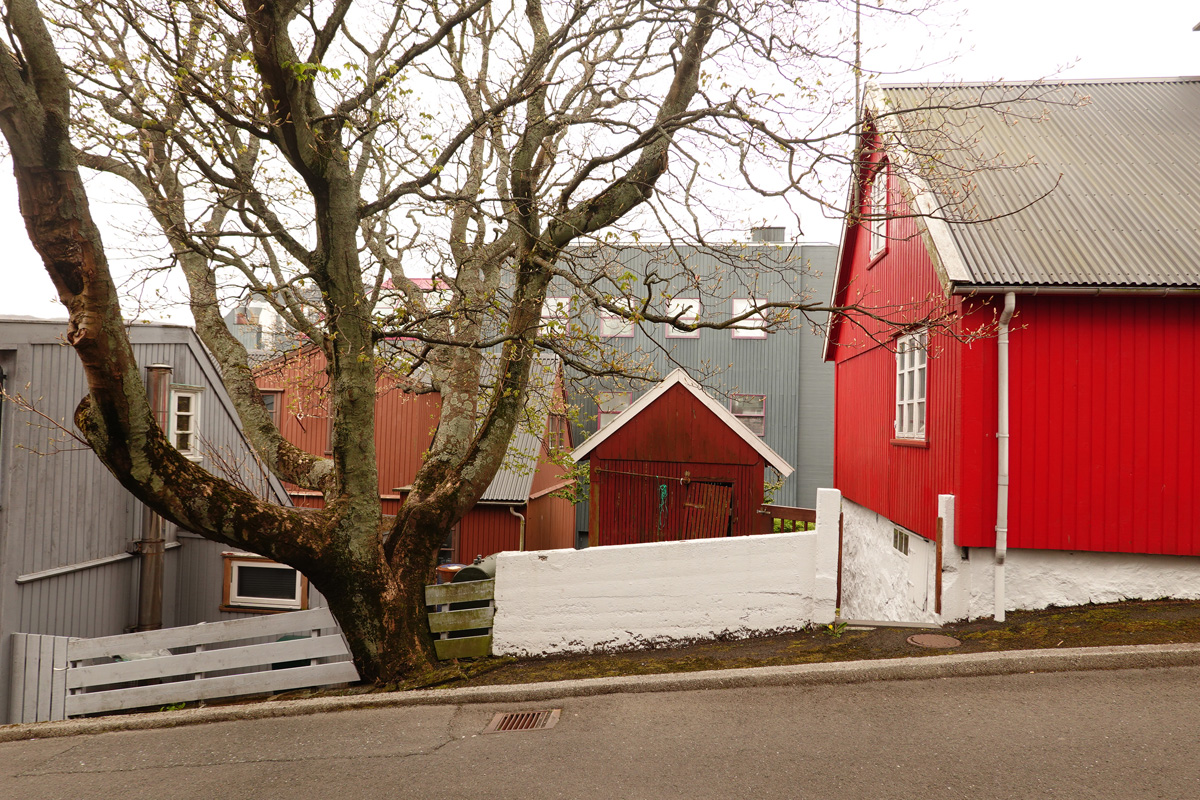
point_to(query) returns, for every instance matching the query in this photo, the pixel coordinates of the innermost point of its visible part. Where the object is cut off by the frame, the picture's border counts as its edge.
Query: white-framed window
(615, 326)
(688, 311)
(900, 540)
(254, 583)
(752, 326)
(555, 313)
(751, 409)
(184, 415)
(879, 210)
(611, 404)
(911, 365)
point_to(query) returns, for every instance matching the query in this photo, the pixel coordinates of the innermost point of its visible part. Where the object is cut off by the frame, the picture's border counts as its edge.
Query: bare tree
(416, 173)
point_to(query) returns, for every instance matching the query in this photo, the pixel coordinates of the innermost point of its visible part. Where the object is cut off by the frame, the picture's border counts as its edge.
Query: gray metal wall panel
(59, 506)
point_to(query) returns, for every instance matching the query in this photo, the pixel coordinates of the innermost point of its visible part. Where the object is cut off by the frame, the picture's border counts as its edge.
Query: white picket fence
(54, 677)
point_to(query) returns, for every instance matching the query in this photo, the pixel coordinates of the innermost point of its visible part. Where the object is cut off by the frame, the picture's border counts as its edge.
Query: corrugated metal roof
(514, 479)
(1109, 194)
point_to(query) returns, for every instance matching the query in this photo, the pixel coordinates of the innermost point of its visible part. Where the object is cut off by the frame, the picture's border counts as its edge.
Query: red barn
(675, 465)
(520, 508)
(1065, 440)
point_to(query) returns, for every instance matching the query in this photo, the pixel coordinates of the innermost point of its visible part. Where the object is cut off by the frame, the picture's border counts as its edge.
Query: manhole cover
(523, 721)
(933, 640)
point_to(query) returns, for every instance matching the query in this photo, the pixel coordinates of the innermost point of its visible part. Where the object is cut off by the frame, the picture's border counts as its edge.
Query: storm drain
(523, 721)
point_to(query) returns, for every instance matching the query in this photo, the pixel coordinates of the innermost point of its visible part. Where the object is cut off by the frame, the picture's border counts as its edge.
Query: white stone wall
(623, 596)
(877, 580)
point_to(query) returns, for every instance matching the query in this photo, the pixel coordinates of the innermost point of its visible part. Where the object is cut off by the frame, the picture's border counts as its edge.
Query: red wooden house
(675, 464)
(1071, 443)
(519, 509)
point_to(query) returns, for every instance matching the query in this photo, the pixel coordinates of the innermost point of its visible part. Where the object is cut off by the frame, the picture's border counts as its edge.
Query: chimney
(767, 234)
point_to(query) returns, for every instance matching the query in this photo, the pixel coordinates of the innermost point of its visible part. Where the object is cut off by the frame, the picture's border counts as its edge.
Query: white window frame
(879, 210)
(192, 451)
(743, 417)
(615, 326)
(912, 385)
(688, 311)
(605, 417)
(555, 313)
(752, 326)
(232, 600)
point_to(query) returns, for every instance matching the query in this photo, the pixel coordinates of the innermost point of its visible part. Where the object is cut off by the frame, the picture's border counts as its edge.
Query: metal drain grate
(523, 721)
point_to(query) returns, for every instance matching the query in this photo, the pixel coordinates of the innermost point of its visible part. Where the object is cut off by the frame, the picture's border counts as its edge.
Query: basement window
(900, 540)
(254, 583)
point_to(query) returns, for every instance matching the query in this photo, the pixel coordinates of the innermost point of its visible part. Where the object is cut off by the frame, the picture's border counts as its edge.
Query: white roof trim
(680, 377)
(923, 198)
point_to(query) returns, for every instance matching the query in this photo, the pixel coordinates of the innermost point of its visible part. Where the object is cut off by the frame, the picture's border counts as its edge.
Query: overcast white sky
(993, 39)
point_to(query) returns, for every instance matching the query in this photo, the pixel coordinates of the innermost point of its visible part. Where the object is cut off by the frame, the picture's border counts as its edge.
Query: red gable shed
(675, 465)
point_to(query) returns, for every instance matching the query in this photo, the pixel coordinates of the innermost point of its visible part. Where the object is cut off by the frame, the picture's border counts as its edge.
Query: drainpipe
(1010, 305)
(150, 546)
(513, 510)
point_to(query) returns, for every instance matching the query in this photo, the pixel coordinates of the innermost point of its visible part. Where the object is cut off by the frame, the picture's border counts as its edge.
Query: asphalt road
(1121, 734)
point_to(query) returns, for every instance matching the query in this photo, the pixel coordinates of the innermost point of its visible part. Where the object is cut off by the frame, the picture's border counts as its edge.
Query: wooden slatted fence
(54, 677)
(466, 606)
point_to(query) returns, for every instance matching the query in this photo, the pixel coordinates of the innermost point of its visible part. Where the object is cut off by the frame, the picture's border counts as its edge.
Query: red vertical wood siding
(550, 524)
(1104, 399)
(1105, 446)
(405, 424)
(486, 530)
(673, 441)
(901, 482)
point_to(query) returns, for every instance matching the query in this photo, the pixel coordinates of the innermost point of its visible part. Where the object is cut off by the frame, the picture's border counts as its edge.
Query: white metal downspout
(1010, 305)
(513, 510)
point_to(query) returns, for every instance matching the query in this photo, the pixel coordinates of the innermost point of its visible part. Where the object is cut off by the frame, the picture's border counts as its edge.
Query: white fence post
(829, 512)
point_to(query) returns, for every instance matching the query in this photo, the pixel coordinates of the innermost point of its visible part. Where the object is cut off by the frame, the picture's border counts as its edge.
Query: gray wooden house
(69, 533)
(775, 382)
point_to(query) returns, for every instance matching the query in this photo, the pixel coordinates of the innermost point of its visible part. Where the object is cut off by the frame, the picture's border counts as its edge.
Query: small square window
(182, 425)
(687, 309)
(752, 326)
(911, 366)
(751, 409)
(900, 540)
(611, 404)
(254, 583)
(615, 325)
(879, 210)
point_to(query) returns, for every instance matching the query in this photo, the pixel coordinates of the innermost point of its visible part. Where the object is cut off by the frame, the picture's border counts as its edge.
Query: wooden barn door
(706, 510)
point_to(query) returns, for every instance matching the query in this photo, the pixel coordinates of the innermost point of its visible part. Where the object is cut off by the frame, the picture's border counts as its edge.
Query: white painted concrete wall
(875, 577)
(628, 596)
(878, 581)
